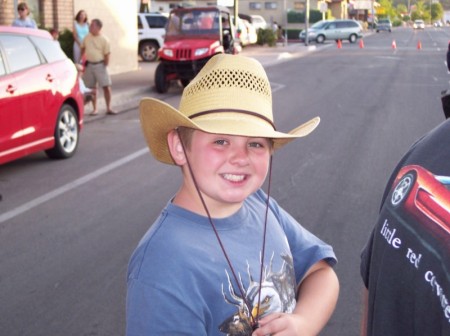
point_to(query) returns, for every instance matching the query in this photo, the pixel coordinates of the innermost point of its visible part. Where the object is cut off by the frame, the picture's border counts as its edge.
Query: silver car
(333, 30)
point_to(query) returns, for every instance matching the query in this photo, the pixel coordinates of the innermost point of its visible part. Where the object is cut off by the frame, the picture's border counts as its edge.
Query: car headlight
(200, 51)
(168, 52)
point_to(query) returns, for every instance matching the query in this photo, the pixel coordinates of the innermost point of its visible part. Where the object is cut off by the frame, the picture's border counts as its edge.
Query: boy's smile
(227, 170)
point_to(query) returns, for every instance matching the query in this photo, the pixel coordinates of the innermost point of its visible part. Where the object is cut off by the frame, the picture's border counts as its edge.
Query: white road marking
(72, 185)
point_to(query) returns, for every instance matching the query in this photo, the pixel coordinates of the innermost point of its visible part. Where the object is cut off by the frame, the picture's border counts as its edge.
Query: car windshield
(383, 21)
(196, 22)
(319, 25)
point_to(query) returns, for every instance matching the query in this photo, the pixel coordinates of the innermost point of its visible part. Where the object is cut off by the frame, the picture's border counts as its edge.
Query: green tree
(437, 11)
(389, 10)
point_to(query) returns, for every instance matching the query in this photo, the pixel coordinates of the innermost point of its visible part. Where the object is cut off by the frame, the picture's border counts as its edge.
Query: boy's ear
(176, 148)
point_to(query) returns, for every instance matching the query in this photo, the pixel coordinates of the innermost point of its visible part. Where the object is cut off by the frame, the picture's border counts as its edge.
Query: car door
(35, 85)
(331, 31)
(10, 110)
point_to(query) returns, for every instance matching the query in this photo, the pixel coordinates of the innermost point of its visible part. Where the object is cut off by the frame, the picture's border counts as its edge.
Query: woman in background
(24, 20)
(80, 30)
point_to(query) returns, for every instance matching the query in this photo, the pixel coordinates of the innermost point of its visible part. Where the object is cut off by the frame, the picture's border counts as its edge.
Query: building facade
(118, 17)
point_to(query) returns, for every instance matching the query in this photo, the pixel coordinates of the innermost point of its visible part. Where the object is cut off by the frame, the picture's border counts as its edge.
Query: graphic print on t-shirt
(426, 197)
(277, 295)
(414, 230)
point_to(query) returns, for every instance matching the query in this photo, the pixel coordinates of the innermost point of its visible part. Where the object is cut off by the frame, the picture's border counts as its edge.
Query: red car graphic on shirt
(425, 196)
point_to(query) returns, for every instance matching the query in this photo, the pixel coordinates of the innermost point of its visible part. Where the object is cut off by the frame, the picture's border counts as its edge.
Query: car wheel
(352, 38)
(161, 83)
(66, 134)
(402, 189)
(148, 51)
(320, 39)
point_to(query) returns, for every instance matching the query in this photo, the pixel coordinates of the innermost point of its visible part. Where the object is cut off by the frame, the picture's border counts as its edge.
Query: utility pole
(307, 23)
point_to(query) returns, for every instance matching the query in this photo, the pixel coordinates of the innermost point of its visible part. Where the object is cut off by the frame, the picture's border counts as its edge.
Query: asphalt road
(67, 228)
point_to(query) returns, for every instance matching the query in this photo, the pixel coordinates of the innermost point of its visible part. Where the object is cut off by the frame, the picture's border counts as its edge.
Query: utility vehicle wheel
(185, 82)
(148, 50)
(66, 134)
(352, 38)
(161, 83)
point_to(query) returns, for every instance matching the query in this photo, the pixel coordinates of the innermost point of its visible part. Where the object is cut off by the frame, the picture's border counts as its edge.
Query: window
(299, 6)
(2, 66)
(50, 49)
(255, 5)
(156, 21)
(270, 5)
(20, 52)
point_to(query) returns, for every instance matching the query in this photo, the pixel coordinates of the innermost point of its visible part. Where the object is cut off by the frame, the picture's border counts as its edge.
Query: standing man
(96, 49)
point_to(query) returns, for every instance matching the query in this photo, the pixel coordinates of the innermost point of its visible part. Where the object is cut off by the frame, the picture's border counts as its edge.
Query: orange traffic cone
(419, 45)
(339, 44)
(394, 45)
(361, 43)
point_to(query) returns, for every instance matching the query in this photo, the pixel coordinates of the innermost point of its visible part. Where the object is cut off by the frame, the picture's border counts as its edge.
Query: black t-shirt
(406, 264)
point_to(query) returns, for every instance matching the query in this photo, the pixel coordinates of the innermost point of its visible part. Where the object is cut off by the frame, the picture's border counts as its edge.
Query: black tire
(148, 50)
(320, 39)
(185, 82)
(352, 38)
(161, 83)
(402, 189)
(66, 134)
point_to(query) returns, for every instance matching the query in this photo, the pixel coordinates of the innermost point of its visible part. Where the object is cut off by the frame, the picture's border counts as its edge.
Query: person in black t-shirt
(405, 265)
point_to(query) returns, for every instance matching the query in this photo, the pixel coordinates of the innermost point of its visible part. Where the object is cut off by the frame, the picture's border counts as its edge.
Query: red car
(425, 196)
(41, 106)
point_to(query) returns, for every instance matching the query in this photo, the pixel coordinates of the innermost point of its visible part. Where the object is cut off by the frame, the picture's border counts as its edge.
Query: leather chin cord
(254, 319)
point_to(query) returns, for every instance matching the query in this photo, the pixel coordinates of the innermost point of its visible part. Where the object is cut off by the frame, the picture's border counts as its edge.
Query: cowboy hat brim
(159, 118)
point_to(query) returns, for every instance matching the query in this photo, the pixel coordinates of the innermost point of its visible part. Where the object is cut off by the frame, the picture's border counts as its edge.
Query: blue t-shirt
(179, 282)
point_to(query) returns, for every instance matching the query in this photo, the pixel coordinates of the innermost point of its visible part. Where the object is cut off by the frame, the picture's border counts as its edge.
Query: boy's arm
(316, 300)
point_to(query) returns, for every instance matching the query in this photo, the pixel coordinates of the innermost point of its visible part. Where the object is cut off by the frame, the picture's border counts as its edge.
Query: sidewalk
(129, 87)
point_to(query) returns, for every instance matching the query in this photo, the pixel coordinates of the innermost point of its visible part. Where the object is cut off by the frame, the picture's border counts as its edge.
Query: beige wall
(119, 26)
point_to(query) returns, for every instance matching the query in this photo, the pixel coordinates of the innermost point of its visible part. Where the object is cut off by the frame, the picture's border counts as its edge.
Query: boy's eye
(220, 142)
(256, 145)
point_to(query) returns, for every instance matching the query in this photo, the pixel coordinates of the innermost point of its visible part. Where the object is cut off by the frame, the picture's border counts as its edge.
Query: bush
(66, 40)
(266, 36)
(299, 17)
(292, 34)
(397, 23)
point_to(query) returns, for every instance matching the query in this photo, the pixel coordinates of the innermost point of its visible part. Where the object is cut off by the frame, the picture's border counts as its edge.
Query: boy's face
(228, 168)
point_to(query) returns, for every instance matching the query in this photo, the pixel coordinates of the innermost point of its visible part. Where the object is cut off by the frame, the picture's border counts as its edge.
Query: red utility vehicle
(193, 36)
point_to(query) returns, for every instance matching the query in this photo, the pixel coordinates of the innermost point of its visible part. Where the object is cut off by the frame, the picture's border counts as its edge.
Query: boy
(223, 258)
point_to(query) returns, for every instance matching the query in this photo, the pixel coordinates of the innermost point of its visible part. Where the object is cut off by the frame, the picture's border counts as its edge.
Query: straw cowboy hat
(230, 95)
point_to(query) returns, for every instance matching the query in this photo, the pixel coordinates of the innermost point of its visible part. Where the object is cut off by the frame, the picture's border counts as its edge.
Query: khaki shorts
(96, 73)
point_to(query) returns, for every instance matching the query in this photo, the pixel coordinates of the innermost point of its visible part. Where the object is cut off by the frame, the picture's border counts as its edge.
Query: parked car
(438, 24)
(333, 30)
(151, 30)
(384, 24)
(245, 32)
(419, 24)
(258, 22)
(41, 106)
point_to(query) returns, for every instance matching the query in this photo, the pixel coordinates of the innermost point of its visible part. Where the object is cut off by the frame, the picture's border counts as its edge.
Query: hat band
(234, 111)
